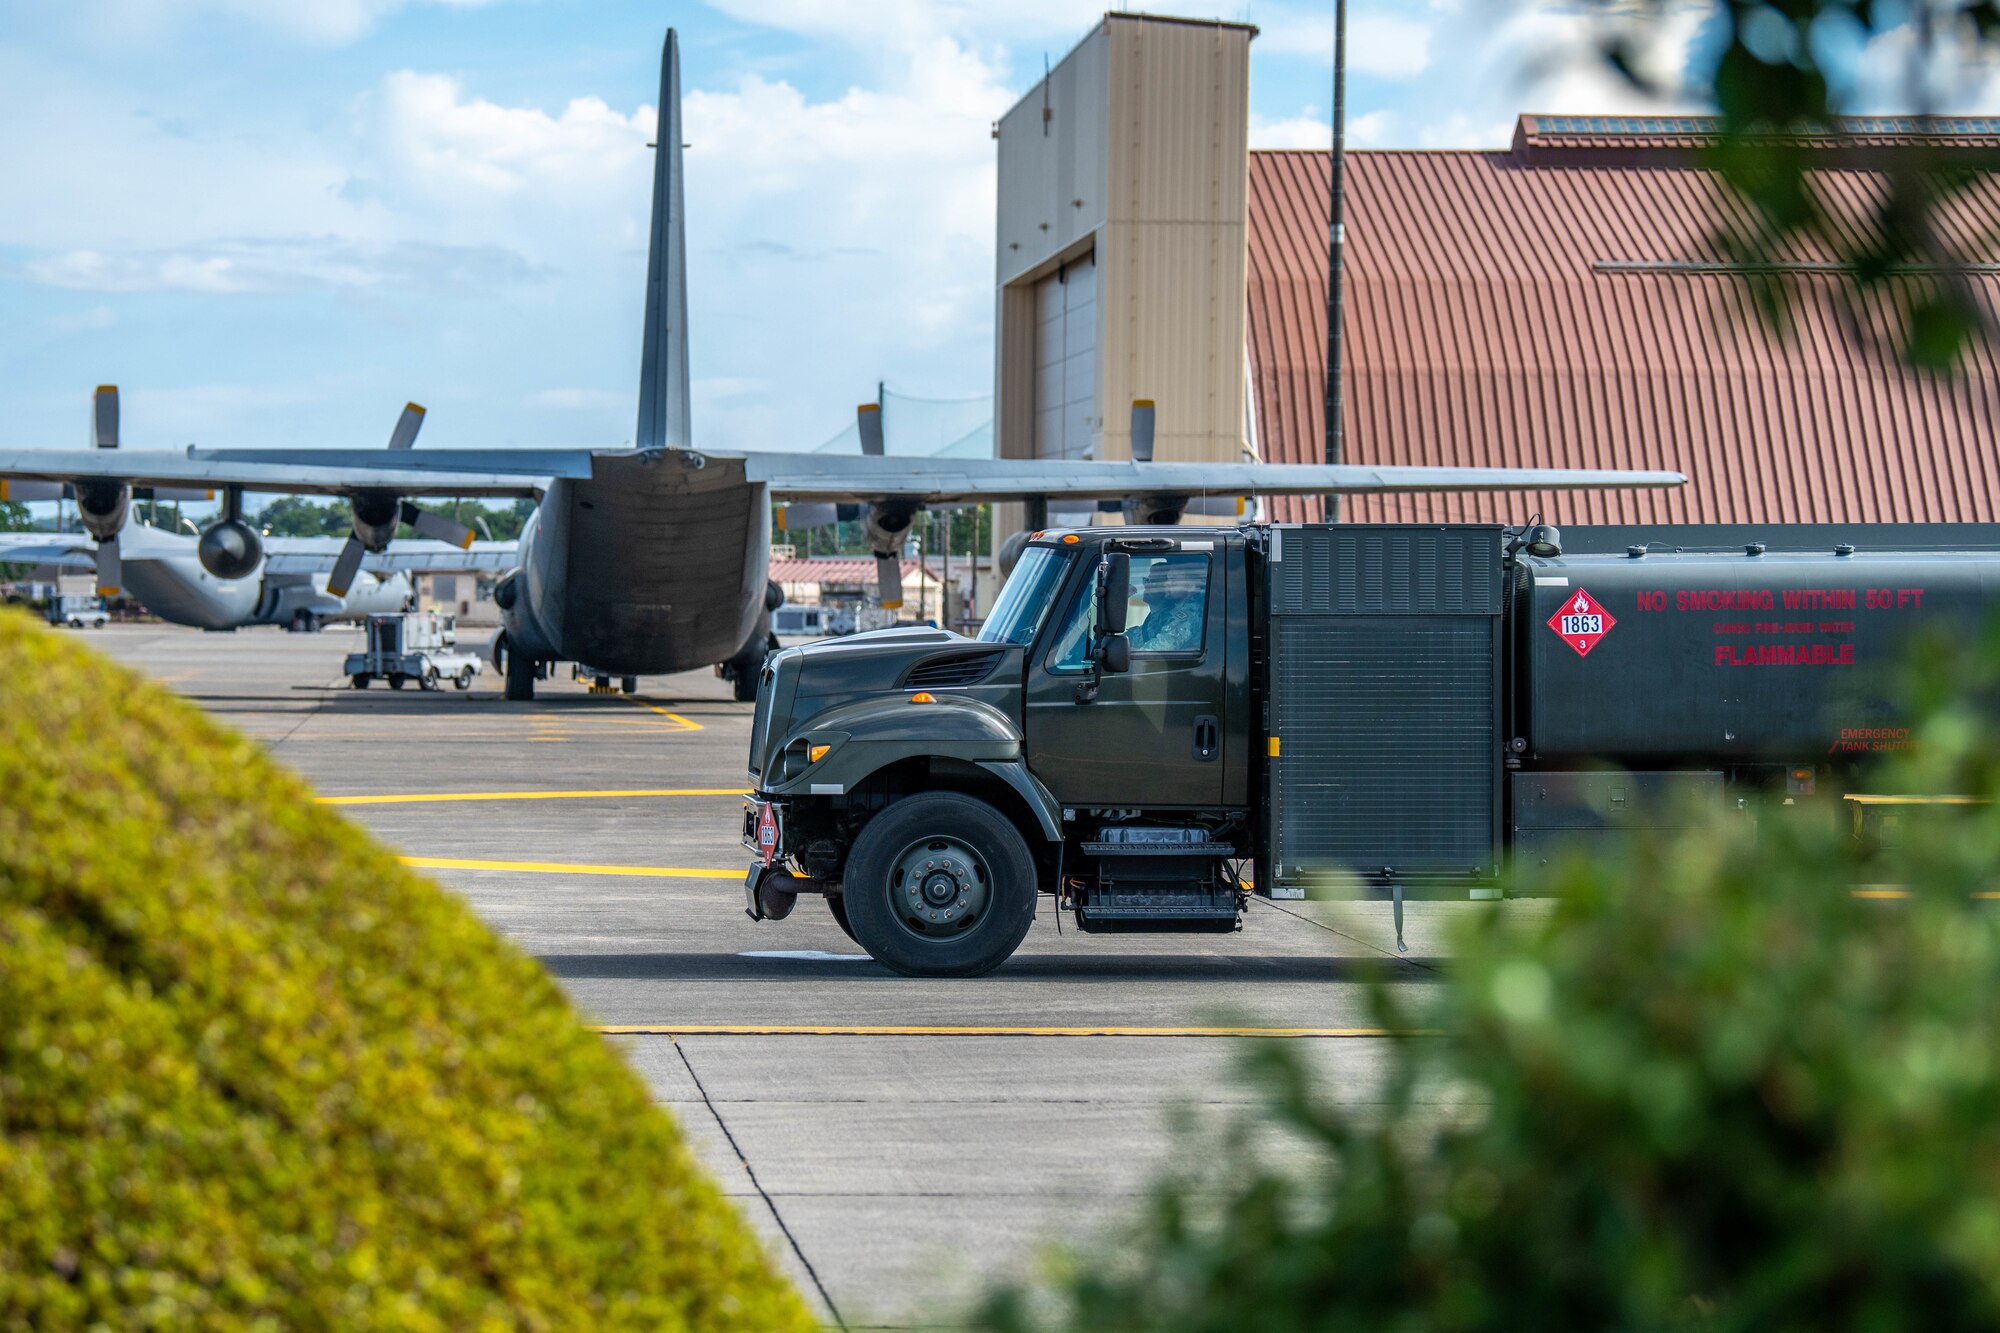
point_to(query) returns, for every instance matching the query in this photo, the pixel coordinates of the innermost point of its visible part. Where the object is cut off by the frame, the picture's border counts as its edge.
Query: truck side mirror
(1114, 653)
(1114, 590)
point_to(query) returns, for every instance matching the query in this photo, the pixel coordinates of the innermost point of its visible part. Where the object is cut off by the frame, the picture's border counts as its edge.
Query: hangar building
(1559, 303)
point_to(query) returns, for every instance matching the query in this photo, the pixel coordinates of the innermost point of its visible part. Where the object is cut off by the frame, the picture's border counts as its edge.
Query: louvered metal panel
(1384, 699)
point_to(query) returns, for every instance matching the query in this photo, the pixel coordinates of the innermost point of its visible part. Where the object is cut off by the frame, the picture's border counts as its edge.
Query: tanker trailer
(1657, 687)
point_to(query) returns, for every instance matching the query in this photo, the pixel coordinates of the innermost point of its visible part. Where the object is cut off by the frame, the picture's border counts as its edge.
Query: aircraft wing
(409, 472)
(862, 479)
(313, 555)
(47, 548)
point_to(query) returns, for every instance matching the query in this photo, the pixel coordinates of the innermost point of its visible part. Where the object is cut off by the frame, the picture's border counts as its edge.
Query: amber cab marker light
(815, 753)
(923, 697)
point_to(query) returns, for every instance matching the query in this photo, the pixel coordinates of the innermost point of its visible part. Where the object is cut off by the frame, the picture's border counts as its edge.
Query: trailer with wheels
(418, 646)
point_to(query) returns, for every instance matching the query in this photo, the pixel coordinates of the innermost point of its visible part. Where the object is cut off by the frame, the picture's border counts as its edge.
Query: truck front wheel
(939, 885)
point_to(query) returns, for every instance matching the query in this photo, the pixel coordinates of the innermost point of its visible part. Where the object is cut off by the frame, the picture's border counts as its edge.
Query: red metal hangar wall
(1561, 304)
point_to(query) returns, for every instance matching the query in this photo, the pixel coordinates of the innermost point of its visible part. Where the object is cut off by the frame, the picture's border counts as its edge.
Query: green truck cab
(1094, 743)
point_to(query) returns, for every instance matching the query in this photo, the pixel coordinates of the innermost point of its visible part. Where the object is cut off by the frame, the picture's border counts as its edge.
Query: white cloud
(324, 22)
(1386, 45)
(1307, 131)
(447, 144)
(266, 266)
(580, 400)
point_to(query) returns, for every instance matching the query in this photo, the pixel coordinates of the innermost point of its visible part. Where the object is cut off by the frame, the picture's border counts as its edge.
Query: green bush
(253, 1073)
(1712, 1089)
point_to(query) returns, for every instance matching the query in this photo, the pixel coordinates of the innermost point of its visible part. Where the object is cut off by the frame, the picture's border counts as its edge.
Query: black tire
(429, 680)
(837, 904)
(977, 925)
(360, 682)
(520, 677)
(396, 679)
(744, 684)
(464, 678)
(630, 684)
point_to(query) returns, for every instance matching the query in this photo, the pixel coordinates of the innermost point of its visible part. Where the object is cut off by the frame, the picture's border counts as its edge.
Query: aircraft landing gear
(520, 677)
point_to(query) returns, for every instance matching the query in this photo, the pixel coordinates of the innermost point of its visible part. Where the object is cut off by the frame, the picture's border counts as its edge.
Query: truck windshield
(1024, 602)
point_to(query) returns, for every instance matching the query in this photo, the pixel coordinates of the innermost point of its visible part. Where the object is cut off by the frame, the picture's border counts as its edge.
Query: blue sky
(273, 221)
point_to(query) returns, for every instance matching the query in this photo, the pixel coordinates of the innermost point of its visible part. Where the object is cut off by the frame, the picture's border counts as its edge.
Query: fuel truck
(1154, 720)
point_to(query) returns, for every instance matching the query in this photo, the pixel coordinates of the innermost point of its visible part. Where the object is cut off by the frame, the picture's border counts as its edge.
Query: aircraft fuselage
(656, 563)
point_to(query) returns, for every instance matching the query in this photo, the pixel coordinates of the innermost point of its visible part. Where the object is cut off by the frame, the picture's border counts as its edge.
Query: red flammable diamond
(1582, 622)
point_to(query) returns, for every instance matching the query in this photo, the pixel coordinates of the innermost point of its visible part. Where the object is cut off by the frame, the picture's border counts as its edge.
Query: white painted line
(805, 955)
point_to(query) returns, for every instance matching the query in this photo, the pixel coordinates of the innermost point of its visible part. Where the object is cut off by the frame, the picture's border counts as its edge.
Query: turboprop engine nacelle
(376, 514)
(229, 547)
(102, 505)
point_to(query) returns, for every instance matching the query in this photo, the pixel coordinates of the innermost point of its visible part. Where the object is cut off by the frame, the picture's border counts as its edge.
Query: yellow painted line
(826, 1030)
(1860, 798)
(1984, 895)
(568, 868)
(687, 722)
(426, 798)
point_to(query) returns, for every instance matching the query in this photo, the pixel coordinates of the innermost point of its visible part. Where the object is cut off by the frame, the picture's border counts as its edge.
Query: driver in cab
(1175, 593)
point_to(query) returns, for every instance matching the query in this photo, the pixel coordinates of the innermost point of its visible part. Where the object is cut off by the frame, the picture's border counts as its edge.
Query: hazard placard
(767, 831)
(1581, 622)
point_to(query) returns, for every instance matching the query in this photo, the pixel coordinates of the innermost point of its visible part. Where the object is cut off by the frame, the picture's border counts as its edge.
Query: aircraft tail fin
(663, 371)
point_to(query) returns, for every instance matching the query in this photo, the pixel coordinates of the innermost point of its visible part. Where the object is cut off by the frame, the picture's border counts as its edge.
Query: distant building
(844, 586)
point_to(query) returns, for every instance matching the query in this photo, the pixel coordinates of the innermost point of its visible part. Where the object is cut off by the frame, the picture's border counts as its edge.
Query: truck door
(1153, 735)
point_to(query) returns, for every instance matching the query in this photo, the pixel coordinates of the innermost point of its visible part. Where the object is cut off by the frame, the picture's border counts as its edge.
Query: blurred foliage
(297, 516)
(1784, 72)
(254, 1073)
(14, 517)
(1713, 1089)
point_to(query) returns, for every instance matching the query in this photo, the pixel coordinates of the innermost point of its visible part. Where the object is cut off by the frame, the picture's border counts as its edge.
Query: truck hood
(803, 682)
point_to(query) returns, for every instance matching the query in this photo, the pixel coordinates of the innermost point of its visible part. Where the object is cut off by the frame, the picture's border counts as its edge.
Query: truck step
(1189, 909)
(1158, 849)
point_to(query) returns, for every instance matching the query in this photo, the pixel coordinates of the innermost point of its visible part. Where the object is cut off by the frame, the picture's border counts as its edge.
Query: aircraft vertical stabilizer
(663, 372)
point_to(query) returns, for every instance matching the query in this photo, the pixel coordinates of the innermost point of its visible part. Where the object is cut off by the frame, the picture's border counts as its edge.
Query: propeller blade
(797, 518)
(1142, 430)
(868, 417)
(889, 581)
(110, 569)
(437, 526)
(407, 427)
(104, 416)
(346, 567)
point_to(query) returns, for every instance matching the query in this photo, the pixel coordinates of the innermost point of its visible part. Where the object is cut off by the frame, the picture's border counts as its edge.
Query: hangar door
(1066, 361)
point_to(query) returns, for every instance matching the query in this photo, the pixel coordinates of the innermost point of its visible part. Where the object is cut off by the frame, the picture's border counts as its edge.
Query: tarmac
(899, 1143)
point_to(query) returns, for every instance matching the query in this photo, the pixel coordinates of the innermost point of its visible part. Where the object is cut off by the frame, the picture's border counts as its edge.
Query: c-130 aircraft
(655, 558)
